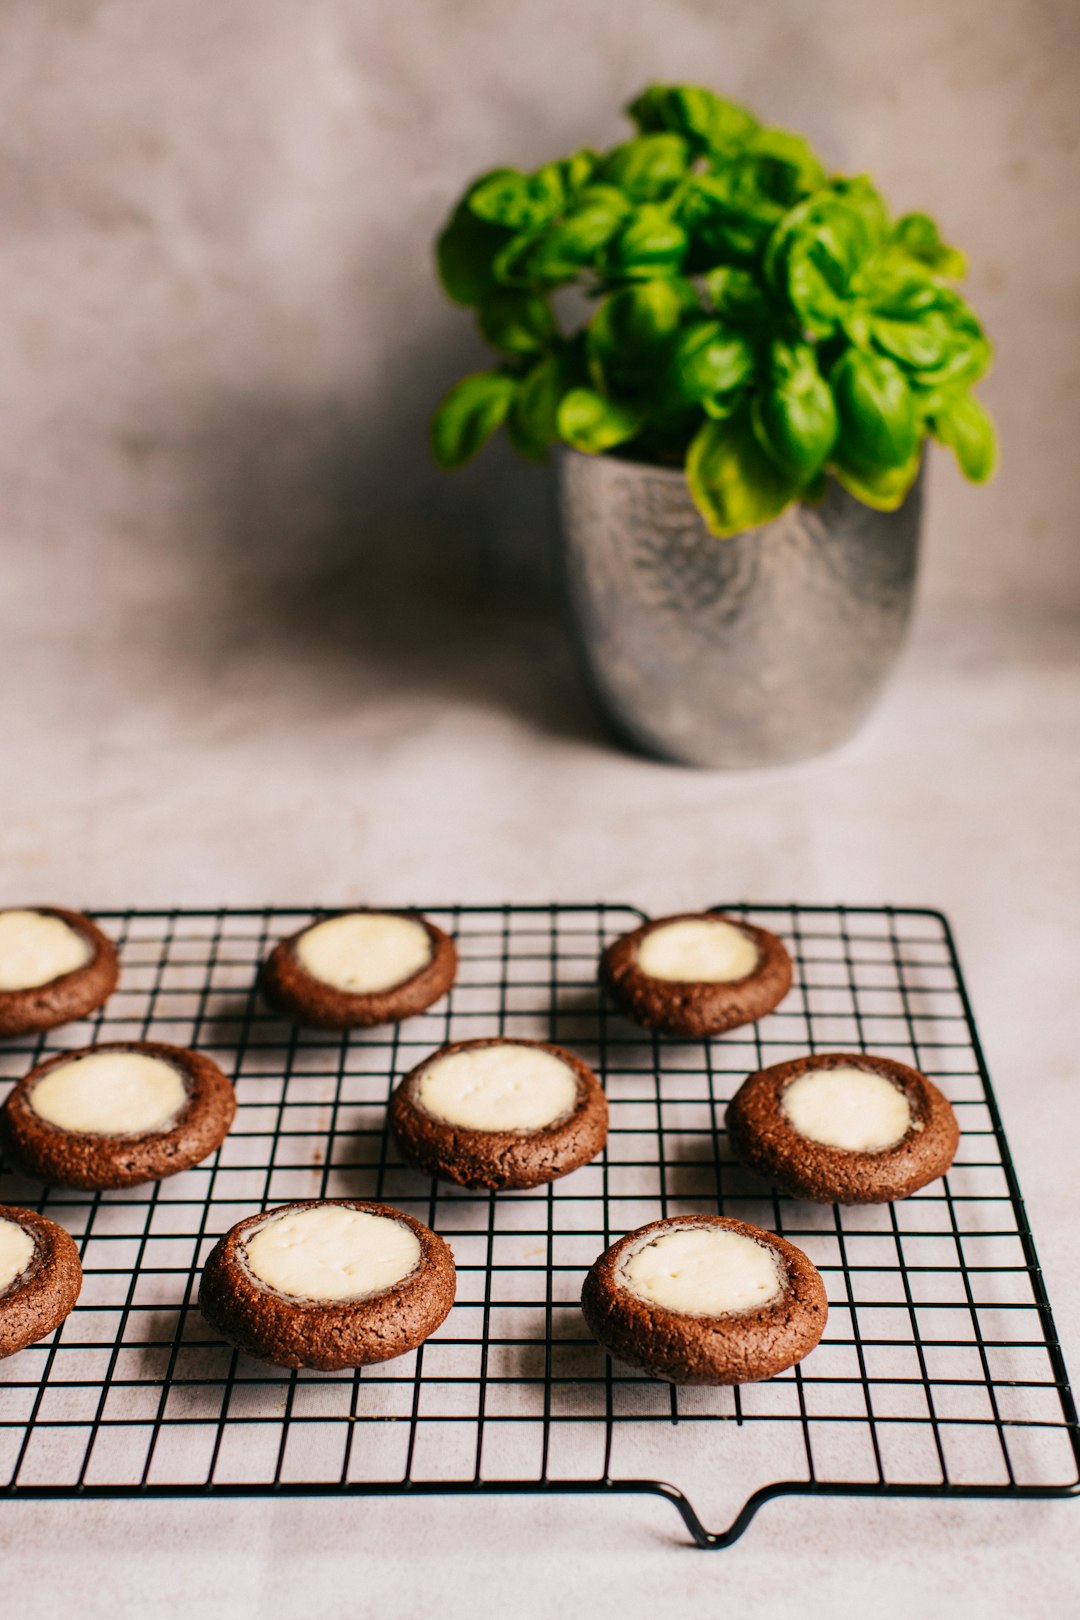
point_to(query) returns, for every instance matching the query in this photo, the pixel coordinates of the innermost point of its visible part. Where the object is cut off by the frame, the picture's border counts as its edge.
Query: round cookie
(695, 974)
(55, 966)
(40, 1277)
(702, 1299)
(499, 1113)
(358, 969)
(844, 1128)
(117, 1114)
(328, 1284)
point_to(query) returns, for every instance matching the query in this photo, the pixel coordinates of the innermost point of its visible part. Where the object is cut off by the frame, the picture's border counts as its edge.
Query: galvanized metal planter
(759, 650)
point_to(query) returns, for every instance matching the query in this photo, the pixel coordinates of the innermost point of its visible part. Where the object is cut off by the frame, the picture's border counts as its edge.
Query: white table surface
(312, 754)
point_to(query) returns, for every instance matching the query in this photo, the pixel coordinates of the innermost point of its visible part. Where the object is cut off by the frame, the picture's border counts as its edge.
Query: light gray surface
(345, 751)
(221, 342)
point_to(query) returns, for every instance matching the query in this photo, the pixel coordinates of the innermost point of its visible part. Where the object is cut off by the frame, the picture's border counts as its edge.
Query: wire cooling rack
(940, 1372)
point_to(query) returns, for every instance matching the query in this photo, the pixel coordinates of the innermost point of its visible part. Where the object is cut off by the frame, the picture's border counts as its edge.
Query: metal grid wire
(940, 1370)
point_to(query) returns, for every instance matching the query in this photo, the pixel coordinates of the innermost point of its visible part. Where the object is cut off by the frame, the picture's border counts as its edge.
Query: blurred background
(222, 339)
(229, 559)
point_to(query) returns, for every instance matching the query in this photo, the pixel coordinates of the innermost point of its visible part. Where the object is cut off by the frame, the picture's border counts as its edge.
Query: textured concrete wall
(220, 338)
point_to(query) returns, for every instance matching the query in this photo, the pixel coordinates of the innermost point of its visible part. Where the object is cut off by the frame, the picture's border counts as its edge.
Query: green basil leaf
(878, 423)
(577, 170)
(860, 196)
(920, 345)
(813, 258)
(855, 323)
(966, 427)
(646, 168)
(549, 184)
(628, 338)
(721, 406)
(735, 485)
(706, 119)
(786, 166)
(883, 489)
(794, 415)
(707, 360)
(923, 324)
(918, 236)
(590, 422)
(967, 361)
(533, 420)
(743, 188)
(516, 322)
(898, 288)
(816, 285)
(510, 265)
(519, 202)
(600, 195)
(650, 244)
(967, 357)
(737, 296)
(465, 252)
(469, 415)
(523, 442)
(727, 239)
(561, 251)
(728, 215)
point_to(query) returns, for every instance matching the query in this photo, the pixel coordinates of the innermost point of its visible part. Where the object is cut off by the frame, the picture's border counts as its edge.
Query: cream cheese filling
(498, 1088)
(16, 1252)
(704, 950)
(852, 1108)
(364, 952)
(331, 1252)
(110, 1094)
(704, 1271)
(36, 948)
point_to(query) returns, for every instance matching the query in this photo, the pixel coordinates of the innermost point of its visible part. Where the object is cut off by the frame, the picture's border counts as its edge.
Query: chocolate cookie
(359, 969)
(700, 1299)
(843, 1128)
(55, 966)
(117, 1114)
(40, 1277)
(499, 1113)
(698, 973)
(328, 1284)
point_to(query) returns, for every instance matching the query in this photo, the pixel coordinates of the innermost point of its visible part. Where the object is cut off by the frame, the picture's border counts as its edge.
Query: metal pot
(763, 649)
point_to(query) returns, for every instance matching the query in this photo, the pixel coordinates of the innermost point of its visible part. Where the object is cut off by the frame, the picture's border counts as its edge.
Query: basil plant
(749, 316)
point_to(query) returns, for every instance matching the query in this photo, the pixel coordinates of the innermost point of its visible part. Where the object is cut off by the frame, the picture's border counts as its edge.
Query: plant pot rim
(654, 467)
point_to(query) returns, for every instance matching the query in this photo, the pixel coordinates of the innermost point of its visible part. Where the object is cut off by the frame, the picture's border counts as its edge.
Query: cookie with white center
(55, 966)
(702, 1299)
(843, 1128)
(117, 1114)
(40, 1277)
(328, 1284)
(359, 969)
(499, 1113)
(696, 974)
